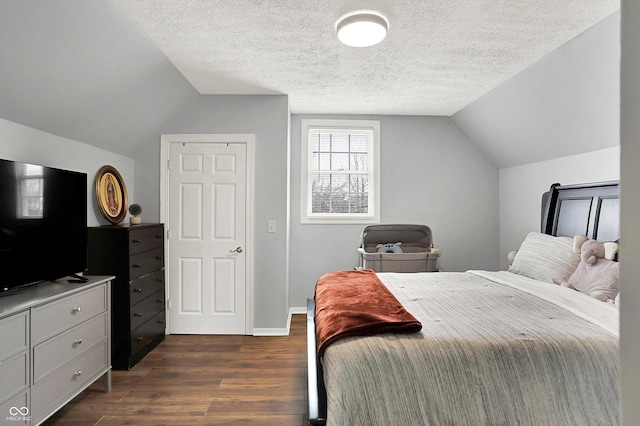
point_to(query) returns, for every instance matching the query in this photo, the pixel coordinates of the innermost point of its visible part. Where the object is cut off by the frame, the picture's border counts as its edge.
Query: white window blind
(340, 171)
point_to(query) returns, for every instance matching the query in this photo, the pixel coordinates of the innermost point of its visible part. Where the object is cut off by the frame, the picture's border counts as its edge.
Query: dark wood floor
(204, 380)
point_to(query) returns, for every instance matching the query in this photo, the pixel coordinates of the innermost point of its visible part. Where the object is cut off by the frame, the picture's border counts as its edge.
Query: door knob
(236, 250)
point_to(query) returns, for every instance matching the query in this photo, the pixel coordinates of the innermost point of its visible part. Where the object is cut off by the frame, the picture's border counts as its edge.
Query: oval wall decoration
(111, 194)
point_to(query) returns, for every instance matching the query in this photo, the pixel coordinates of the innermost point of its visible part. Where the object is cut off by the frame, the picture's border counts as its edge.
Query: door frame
(249, 140)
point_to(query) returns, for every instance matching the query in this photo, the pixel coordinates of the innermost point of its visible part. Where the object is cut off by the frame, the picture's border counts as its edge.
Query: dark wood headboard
(591, 209)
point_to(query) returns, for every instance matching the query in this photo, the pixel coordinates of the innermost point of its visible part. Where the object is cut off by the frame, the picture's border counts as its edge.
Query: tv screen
(43, 223)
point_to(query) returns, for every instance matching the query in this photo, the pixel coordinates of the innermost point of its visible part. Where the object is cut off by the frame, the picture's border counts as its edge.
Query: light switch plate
(271, 226)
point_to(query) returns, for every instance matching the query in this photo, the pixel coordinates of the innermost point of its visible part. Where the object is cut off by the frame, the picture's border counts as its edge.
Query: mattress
(495, 348)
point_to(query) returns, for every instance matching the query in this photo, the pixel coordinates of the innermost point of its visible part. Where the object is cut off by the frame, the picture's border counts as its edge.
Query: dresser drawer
(143, 263)
(15, 411)
(55, 352)
(147, 309)
(145, 238)
(14, 375)
(146, 285)
(14, 332)
(144, 334)
(60, 315)
(58, 387)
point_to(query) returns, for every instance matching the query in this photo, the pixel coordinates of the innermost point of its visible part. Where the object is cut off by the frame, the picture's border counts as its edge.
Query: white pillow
(546, 258)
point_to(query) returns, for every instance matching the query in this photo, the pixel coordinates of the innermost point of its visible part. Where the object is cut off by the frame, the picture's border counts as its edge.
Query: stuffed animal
(597, 274)
(389, 248)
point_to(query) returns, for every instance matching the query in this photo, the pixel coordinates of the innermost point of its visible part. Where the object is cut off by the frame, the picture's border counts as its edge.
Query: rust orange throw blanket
(356, 303)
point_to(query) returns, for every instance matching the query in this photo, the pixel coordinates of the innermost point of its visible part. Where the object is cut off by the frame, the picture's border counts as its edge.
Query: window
(340, 176)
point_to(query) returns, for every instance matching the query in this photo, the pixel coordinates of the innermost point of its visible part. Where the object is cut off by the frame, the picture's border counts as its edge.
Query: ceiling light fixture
(362, 28)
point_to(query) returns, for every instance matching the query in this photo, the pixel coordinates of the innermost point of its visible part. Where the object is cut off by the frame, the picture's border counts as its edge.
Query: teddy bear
(389, 248)
(597, 274)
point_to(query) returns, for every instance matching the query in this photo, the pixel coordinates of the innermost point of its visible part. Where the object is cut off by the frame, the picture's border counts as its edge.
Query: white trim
(300, 310)
(372, 126)
(271, 331)
(249, 139)
(280, 331)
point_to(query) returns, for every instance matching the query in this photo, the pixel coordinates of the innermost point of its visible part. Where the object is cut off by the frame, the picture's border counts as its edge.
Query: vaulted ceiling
(114, 73)
(439, 56)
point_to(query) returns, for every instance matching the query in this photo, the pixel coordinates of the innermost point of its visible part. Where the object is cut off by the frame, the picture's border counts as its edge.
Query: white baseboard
(271, 331)
(280, 331)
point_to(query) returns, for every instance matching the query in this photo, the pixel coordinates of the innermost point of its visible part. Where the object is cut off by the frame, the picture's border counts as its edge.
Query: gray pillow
(546, 258)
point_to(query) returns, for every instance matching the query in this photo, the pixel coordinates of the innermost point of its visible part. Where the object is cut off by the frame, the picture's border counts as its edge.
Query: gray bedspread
(488, 354)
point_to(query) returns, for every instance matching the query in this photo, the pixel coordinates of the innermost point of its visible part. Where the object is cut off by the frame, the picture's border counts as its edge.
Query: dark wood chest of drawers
(135, 255)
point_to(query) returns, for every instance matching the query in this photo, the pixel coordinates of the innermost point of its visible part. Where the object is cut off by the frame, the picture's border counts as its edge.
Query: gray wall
(266, 116)
(531, 125)
(566, 103)
(22, 143)
(431, 174)
(83, 70)
(521, 188)
(630, 243)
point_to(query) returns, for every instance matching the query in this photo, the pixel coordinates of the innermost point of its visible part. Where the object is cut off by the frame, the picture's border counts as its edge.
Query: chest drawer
(146, 309)
(135, 255)
(14, 331)
(14, 375)
(143, 263)
(141, 336)
(60, 315)
(145, 239)
(55, 352)
(146, 285)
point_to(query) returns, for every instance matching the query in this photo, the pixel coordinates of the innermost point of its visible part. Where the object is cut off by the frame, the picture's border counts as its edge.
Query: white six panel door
(207, 221)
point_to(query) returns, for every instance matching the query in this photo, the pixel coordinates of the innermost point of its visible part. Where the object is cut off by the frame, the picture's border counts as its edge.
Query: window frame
(370, 126)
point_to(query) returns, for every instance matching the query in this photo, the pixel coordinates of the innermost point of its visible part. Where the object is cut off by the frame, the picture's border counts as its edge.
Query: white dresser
(55, 341)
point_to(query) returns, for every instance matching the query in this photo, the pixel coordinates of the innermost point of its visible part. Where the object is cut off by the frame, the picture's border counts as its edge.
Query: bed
(491, 348)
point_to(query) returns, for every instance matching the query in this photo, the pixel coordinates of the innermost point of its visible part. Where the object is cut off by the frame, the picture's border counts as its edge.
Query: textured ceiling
(439, 56)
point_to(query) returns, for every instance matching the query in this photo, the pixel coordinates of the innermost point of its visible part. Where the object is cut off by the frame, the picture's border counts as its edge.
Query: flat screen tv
(43, 224)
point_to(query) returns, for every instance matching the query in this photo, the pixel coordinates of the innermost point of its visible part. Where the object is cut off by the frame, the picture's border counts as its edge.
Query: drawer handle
(76, 310)
(137, 314)
(160, 321)
(137, 265)
(159, 236)
(137, 290)
(78, 341)
(136, 241)
(139, 339)
(77, 373)
(161, 300)
(159, 279)
(159, 257)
